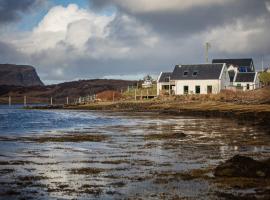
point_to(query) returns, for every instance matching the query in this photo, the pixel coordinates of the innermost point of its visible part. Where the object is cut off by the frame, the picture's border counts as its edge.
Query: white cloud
(70, 25)
(68, 35)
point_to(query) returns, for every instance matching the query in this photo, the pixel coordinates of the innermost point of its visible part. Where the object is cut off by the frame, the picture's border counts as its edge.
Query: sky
(69, 40)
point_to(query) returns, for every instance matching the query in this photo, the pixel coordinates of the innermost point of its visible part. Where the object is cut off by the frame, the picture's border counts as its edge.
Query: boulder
(242, 166)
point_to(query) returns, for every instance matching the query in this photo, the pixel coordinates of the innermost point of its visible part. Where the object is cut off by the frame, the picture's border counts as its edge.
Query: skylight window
(195, 73)
(185, 73)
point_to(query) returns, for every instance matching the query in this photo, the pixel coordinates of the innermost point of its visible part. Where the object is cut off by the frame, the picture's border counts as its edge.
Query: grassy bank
(258, 113)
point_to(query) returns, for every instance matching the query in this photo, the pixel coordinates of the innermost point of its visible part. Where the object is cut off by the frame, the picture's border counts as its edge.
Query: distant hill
(59, 92)
(19, 75)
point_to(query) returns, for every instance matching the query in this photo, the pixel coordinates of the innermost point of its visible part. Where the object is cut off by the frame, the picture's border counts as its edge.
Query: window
(197, 89)
(165, 87)
(247, 86)
(209, 89)
(185, 89)
(185, 73)
(195, 73)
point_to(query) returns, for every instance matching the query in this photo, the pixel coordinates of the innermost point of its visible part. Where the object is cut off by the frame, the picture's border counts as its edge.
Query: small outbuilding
(164, 83)
(246, 81)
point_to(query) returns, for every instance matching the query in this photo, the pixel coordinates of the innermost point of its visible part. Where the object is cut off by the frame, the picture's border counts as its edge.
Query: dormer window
(195, 73)
(185, 73)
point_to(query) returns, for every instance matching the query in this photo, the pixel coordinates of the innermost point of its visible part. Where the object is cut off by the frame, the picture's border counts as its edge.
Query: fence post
(9, 101)
(24, 101)
(135, 94)
(67, 101)
(141, 94)
(51, 101)
(147, 94)
(113, 96)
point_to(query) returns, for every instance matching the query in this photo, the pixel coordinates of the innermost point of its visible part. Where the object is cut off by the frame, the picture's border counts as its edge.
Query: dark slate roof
(245, 77)
(231, 75)
(204, 71)
(165, 76)
(245, 62)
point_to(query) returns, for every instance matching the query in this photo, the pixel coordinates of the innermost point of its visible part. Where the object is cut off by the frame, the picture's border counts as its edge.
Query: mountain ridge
(19, 75)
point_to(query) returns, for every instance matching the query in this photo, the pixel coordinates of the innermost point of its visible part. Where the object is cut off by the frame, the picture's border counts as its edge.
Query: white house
(236, 65)
(196, 79)
(147, 82)
(246, 81)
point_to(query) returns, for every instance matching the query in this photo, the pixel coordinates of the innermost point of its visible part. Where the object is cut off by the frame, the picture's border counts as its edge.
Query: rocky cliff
(19, 75)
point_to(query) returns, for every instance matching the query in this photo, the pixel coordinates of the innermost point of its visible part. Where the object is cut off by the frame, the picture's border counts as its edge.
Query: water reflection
(128, 163)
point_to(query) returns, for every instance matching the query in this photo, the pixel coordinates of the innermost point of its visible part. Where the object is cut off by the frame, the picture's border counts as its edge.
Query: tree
(265, 78)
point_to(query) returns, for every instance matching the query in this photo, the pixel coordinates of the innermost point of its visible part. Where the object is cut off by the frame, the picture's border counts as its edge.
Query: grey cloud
(195, 19)
(9, 54)
(11, 10)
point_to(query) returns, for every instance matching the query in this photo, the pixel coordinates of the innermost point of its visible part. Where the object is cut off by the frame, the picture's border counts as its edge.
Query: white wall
(244, 85)
(159, 87)
(224, 79)
(179, 86)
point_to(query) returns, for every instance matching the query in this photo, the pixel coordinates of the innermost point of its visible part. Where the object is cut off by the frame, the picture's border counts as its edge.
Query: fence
(27, 100)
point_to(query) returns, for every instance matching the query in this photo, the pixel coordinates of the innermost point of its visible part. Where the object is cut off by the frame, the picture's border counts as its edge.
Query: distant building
(148, 82)
(246, 81)
(195, 79)
(267, 70)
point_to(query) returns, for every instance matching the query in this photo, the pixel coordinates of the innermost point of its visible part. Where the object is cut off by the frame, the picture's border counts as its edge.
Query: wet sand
(150, 156)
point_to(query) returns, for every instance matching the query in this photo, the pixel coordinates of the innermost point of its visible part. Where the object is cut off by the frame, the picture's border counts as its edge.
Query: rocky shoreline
(255, 114)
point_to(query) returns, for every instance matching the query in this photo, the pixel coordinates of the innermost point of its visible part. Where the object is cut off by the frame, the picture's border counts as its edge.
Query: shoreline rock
(242, 166)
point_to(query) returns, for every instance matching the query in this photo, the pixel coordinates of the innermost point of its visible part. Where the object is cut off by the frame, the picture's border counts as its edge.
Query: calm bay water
(126, 162)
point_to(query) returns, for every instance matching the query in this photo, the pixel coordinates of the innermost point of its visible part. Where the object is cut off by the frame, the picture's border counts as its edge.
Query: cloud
(142, 6)
(72, 42)
(11, 10)
(71, 39)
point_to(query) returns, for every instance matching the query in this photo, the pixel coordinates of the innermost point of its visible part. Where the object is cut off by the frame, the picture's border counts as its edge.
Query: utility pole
(262, 64)
(67, 101)
(169, 86)
(207, 47)
(51, 101)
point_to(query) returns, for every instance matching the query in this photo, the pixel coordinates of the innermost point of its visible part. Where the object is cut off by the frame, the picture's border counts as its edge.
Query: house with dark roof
(196, 79)
(246, 81)
(237, 65)
(242, 64)
(165, 84)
